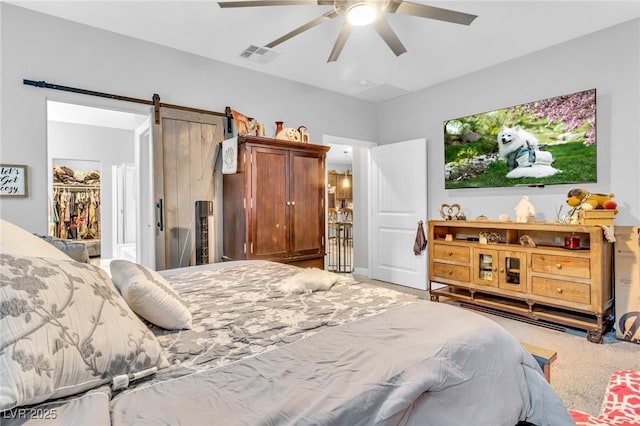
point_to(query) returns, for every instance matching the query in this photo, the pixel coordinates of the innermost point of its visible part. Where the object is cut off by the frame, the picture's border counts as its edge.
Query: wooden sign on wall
(13, 180)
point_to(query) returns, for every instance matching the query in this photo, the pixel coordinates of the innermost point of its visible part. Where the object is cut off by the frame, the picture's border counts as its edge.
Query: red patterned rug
(621, 405)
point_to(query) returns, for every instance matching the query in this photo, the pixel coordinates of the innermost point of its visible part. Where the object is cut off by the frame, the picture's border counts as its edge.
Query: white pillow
(308, 280)
(65, 329)
(19, 242)
(150, 295)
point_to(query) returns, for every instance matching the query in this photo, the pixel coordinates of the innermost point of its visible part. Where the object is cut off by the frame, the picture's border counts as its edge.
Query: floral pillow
(149, 295)
(65, 329)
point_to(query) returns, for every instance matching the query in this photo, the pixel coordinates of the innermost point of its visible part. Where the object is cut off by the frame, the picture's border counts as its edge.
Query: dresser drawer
(578, 267)
(559, 289)
(450, 272)
(451, 252)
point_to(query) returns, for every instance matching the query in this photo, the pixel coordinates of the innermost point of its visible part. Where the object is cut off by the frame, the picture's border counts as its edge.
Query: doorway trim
(360, 171)
(105, 104)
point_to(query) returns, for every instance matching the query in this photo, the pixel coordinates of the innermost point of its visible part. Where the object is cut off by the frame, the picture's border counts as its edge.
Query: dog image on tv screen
(521, 150)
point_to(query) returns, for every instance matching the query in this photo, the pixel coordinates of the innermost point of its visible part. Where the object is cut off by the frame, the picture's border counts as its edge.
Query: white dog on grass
(521, 150)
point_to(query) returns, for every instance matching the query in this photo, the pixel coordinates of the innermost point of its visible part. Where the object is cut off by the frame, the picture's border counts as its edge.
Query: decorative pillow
(308, 280)
(149, 295)
(74, 249)
(65, 329)
(19, 242)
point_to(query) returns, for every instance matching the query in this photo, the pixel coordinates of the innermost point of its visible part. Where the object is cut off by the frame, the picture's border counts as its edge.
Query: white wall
(108, 146)
(608, 60)
(35, 46)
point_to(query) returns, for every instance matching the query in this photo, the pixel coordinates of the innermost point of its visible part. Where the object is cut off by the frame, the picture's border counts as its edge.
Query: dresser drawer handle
(559, 266)
(450, 272)
(559, 290)
(450, 253)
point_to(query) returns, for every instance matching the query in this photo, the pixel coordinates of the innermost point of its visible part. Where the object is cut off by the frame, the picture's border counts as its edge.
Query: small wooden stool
(544, 356)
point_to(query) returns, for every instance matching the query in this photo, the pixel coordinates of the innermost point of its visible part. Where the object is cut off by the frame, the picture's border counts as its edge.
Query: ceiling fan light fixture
(362, 13)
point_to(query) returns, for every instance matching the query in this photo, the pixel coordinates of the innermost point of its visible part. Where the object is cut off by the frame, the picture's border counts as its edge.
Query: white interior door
(398, 202)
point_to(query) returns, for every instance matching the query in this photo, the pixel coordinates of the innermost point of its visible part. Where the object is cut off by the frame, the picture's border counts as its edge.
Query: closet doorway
(103, 157)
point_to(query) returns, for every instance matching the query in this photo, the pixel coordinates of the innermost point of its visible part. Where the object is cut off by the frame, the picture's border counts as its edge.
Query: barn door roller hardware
(155, 102)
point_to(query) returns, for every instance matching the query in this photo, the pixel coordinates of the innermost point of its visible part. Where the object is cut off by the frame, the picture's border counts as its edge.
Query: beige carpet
(582, 370)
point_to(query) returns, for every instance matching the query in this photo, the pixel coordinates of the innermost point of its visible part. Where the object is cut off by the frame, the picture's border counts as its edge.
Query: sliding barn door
(185, 148)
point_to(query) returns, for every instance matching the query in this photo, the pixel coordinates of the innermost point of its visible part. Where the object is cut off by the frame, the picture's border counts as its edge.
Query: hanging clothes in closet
(76, 211)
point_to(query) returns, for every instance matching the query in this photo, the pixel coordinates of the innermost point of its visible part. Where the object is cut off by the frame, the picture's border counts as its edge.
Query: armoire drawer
(579, 267)
(450, 252)
(451, 272)
(560, 289)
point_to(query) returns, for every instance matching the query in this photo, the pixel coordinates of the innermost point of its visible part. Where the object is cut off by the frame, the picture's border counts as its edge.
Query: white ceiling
(367, 69)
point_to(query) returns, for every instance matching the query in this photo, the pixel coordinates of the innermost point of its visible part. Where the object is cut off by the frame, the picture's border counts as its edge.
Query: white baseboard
(361, 271)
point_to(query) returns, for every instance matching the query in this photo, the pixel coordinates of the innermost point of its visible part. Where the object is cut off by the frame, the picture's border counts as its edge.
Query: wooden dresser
(547, 282)
(274, 205)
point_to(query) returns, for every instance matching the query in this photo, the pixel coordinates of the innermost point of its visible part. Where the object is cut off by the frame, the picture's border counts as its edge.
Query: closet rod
(155, 102)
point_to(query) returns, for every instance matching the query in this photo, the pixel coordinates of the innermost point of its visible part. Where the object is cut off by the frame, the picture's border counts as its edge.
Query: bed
(247, 343)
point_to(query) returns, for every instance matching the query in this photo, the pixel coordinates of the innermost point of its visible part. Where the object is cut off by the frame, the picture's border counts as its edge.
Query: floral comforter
(240, 310)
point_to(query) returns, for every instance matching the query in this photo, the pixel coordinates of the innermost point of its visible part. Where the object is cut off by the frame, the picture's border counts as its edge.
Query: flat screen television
(545, 142)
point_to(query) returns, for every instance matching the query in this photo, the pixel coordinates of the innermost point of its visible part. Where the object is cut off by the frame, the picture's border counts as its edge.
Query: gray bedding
(420, 364)
(355, 354)
(240, 310)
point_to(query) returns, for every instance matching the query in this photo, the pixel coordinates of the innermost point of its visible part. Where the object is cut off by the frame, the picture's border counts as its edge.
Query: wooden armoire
(274, 205)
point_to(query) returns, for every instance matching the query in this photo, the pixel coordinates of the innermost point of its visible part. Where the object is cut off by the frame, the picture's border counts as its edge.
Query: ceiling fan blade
(313, 23)
(431, 12)
(389, 36)
(274, 3)
(340, 42)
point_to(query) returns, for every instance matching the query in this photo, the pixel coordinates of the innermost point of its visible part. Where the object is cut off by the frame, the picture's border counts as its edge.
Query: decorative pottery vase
(279, 125)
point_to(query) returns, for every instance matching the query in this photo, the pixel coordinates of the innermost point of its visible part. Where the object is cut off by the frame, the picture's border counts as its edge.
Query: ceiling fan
(358, 13)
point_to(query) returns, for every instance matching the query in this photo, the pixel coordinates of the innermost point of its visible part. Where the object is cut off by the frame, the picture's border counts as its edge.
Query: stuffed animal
(525, 212)
(582, 198)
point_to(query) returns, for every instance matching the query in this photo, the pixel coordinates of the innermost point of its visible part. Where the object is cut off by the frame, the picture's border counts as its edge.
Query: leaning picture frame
(13, 180)
(243, 124)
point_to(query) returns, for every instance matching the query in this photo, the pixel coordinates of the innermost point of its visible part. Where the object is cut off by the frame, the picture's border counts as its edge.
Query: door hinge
(251, 248)
(244, 248)
(244, 203)
(244, 158)
(322, 240)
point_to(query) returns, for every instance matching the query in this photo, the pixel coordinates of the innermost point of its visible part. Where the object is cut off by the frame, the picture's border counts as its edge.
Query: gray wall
(35, 46)
(39, 47)
(108, 146)
(608, 61)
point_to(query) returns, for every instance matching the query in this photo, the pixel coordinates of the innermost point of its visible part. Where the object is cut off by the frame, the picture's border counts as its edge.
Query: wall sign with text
(13, 180)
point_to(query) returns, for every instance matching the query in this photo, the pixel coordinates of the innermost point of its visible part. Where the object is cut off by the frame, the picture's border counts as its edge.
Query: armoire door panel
(269, 209)
(307, 210)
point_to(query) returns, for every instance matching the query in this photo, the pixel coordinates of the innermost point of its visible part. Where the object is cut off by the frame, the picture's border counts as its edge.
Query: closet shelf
(76, 185)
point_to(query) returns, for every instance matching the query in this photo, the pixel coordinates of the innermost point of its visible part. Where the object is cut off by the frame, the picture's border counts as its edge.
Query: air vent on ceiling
(264, 55)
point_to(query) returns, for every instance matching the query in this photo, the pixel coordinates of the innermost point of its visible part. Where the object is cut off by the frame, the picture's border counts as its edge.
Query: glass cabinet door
(485, 267)
(512, 271)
